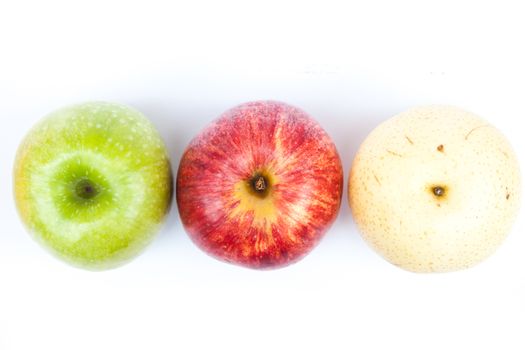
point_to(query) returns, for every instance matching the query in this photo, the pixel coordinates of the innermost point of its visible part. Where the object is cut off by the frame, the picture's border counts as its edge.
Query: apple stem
(86, 189)
(260, 184)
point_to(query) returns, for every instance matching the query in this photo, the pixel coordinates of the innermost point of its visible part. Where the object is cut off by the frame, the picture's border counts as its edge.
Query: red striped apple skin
(231, 213)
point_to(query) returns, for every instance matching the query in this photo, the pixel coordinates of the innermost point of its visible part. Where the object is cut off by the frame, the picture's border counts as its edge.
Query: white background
(351, 66)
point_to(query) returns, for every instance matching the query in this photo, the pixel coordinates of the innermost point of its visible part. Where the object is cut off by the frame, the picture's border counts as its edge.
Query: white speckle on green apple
(88, 192)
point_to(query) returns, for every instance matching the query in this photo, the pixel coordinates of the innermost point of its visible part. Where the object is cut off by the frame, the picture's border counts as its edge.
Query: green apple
(435, 189)
(93, 183)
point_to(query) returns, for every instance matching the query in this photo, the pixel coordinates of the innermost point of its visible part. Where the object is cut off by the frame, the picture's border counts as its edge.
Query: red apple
(260, 186)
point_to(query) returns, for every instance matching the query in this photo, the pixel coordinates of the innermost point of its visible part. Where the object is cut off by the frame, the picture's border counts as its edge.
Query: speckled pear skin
(435, 189)
(118, 152)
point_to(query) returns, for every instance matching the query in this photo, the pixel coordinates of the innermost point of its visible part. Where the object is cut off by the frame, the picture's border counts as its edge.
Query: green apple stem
(86, 189)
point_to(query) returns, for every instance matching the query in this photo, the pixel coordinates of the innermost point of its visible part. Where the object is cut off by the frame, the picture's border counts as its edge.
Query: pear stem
(438, 191)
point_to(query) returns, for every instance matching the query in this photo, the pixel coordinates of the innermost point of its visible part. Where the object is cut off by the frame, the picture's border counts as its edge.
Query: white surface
(350, 66)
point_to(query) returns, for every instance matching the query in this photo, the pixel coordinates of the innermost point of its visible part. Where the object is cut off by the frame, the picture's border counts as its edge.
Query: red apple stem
(260, 184)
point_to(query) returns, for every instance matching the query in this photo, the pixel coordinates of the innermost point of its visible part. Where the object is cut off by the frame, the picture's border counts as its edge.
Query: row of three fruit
(261, 185)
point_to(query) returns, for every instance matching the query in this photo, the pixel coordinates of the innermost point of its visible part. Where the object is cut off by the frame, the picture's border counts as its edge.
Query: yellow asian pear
(435, 189)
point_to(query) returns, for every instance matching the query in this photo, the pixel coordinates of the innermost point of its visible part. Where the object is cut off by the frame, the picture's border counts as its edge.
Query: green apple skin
(93, 184)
